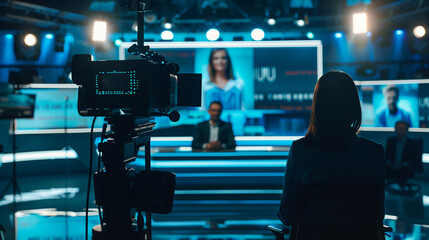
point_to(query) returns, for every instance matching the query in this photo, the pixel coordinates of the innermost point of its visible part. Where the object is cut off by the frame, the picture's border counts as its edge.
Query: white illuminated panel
(40, 194)
(39, 155)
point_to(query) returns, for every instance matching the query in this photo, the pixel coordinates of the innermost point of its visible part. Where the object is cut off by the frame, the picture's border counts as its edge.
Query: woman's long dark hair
(336, 112)
(229, 72)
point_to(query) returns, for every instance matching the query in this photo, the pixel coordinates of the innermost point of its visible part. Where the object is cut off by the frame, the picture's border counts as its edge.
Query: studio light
(310, 35)
(9, 36)
(338, 35)
(360, 23)
(30, 40)
(213, 34)
(167, 24)
(49, 36)
(271, 21)
(257, 34)
(301, 18)
(167, 35)
(399, 32)
(99, 31)
(419, 31)
(118, 42)
(300, 22)
(26, 45)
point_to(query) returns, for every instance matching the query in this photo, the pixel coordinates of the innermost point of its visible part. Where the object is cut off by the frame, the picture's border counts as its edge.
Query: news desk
(229, 189)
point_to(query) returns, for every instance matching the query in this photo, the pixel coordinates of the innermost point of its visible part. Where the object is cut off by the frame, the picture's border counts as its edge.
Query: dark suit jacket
(363, 163)
(411, 154)
(202, 135)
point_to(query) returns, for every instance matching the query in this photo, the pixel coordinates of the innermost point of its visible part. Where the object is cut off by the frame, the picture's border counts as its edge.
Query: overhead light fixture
(310, 35)
(271, 21)
(338, 35)
(167, 35)
(257, 34)
(49, 36)
(213, 34)
(30, 40)
(27, 45)
(360, 23)
(9, 36)
(99, 31)
(167, 24)
(399, 32)
(118, 42)
(419, 31)
(301, 18)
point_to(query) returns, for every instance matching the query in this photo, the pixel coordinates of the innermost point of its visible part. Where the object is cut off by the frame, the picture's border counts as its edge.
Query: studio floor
(230, 195)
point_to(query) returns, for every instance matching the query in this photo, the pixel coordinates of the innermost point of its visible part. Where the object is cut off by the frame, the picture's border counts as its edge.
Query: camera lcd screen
(116, 83)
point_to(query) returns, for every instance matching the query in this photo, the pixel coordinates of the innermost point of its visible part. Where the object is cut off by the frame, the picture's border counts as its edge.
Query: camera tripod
(122, 192)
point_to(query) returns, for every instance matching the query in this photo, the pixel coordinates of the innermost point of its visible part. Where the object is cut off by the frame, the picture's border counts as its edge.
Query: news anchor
(214, 134)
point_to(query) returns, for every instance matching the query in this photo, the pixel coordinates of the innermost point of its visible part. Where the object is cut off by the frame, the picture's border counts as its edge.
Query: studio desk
(221, 189)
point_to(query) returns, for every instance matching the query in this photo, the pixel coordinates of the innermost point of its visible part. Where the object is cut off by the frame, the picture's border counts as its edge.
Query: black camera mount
(121, 191)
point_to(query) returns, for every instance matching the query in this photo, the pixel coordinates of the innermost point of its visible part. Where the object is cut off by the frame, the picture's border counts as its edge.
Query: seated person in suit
(331, 152)
(214, 134)
(403, 154)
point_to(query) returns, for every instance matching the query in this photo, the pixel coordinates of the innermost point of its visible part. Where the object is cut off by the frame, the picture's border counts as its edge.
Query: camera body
(132, 87)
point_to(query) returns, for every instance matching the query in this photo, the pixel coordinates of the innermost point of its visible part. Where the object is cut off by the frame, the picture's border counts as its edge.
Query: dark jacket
(363, 163)
(202, 135)
(411, 153)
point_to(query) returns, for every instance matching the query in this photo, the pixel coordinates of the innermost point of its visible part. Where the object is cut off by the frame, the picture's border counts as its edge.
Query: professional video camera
(128, 93)
(150, 86)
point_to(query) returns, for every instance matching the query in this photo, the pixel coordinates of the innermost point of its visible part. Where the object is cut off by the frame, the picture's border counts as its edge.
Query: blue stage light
(118, 42)
(399, 32)
(49, 36)
(338, 35)
(310, 35)
(9, 36)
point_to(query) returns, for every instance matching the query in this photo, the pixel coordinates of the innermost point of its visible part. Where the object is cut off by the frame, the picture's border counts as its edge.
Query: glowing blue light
(9, 36)
(49, 36)
(399, 32)
(338, 35)
(310, 35)
(69, 38)
(118, 42)
(368, 34)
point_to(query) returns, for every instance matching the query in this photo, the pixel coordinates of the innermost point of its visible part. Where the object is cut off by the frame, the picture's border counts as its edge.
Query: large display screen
(55, 110)
(266, 88)
(386, 102)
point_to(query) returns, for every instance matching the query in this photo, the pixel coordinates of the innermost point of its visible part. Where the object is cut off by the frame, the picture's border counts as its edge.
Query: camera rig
(129, 93)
